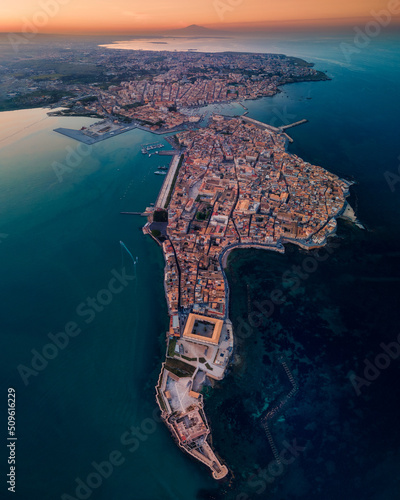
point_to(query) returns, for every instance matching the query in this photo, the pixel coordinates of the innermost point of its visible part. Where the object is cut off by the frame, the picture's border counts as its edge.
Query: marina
(148, 148)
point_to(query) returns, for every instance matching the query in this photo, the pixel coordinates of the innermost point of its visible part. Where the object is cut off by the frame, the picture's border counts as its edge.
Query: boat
(163, 168)
(160, 172)
(151, 147)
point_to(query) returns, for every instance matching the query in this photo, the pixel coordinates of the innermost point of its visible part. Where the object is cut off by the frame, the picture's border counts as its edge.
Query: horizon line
(312, 23)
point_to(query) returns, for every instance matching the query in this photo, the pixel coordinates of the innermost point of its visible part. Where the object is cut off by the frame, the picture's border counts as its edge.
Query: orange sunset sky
(133, 16)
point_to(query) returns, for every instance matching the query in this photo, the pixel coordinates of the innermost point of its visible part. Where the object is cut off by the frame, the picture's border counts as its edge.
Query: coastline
(177, 374)
(356, 278)
(207, 454)
(161, 383)
(131, 124)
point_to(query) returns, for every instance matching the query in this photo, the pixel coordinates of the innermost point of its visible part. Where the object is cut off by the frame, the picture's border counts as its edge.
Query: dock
(277, 130)
(79, 135)
(133, 213)
(149, 148)
(300, 122)
(261, 124)
(168, 152)
(288, 137)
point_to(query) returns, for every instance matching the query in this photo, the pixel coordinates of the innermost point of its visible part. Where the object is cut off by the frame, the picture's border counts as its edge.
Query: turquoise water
(60, 245)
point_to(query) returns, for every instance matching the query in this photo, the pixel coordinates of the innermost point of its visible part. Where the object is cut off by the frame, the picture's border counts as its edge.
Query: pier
(168, 152)
(133, 213)
(277, 130)
(261, 124)
(288, 137)
(300, 122)
(86, 138)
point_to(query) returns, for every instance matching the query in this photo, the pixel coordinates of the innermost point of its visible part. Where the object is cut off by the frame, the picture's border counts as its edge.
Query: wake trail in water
(124, 246)
(134, 325)
(135, 261)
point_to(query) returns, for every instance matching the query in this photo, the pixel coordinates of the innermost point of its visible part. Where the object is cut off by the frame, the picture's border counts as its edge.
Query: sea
(87, 423)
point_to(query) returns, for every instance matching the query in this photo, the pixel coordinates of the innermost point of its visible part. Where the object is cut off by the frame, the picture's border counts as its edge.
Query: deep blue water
(62, 246)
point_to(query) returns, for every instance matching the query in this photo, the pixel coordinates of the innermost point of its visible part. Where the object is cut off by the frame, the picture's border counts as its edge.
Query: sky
(134, 16)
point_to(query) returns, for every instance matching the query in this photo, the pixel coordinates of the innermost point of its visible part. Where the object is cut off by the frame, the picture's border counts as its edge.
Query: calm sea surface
(60, 246)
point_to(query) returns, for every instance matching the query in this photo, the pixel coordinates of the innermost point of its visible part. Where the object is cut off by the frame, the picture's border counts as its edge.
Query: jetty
(134, 213)
(288, 137)
(261, 124)
(277, 130)
(295, 124)
(168, 152)
(89, 136)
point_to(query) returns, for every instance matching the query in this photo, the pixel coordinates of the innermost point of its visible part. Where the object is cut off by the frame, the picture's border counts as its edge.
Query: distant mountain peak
(195, 30)
(194, 27)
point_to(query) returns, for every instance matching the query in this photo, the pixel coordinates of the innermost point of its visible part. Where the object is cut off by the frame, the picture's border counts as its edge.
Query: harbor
(100, 131)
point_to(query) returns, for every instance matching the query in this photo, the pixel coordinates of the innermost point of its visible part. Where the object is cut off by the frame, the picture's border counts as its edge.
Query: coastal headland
(235, 186)
(168, 98)
(231, 184)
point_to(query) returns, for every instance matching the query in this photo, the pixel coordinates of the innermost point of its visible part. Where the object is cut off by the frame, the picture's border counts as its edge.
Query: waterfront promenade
(166, 187)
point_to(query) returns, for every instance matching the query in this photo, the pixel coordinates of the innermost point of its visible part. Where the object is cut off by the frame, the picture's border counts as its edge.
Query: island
(232, 184)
